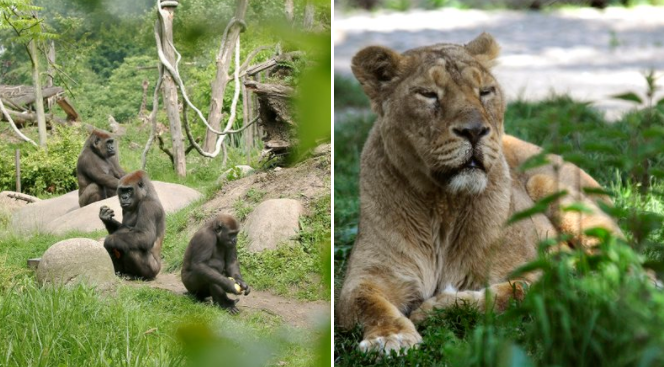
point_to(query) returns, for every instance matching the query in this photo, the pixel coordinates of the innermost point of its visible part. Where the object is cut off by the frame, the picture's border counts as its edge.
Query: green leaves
(535, 161)
(540, 206)
(629, 96)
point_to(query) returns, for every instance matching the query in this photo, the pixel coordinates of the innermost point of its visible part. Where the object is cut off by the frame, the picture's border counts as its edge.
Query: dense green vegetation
(587, 310)
(105, 50)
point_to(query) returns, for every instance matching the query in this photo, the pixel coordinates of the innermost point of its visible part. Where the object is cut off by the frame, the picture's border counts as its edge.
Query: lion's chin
(468, 181)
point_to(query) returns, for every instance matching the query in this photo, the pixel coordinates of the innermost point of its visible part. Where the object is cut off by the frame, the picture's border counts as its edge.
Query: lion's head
(440, 107)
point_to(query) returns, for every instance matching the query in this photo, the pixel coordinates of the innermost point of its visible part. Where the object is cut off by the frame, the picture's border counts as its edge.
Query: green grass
(587, 310)
(132, 327)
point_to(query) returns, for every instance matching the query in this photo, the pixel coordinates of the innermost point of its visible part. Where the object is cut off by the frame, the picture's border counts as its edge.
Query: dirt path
(588, 53)
(293, 312)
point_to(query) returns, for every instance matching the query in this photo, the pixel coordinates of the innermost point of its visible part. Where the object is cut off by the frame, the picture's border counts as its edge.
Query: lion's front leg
(501, 294)
(386, 328)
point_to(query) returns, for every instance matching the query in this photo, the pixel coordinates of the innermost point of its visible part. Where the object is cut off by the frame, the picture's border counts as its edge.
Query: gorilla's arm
(232, 265)
(233, 269)
(203, 245)
(106, 215)
(97, 171)
(118, 172)
(141, 236)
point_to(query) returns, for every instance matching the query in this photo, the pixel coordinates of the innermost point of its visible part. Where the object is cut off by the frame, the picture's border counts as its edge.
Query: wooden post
(309, 13)
(171, 90)
(39, 101)
(17, 163)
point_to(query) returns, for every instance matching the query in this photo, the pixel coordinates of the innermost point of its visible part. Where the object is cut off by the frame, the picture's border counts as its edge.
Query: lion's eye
(485, 92)
(429, 94)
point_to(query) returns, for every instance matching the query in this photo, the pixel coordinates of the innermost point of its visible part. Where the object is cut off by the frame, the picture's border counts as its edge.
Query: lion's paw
(399, 342)
(447, 298)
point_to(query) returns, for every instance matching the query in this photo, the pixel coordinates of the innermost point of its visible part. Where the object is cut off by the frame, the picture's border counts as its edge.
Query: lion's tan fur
(423, 243)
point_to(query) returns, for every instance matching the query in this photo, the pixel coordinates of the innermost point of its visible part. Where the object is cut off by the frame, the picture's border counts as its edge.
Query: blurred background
(566, 47)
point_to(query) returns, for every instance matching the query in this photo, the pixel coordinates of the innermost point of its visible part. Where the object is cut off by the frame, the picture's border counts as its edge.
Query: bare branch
(165, 150)
(23, 197)
(11, 122)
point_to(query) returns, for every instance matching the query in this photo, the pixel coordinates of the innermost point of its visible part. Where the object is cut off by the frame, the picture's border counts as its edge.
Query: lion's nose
(473, 132)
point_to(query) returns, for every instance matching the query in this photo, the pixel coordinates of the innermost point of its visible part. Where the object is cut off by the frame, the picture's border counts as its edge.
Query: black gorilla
(135, 244)
(209, 261)
(97, 170)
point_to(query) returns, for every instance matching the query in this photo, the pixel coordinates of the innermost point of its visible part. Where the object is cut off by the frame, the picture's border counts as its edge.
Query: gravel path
(588, 53)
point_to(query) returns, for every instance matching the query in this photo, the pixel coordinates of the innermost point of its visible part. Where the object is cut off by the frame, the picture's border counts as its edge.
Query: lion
(439, 179)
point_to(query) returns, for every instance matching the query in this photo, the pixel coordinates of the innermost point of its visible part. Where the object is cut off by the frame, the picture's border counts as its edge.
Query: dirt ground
(306, 182)
(590, 54)
(293, 312)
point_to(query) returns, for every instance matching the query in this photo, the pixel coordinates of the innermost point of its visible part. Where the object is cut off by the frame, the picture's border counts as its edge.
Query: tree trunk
(289, 10)
(39, 101)
(222, 78)
(309, 12)
(276, 119)
(171, 95)
(50, 56)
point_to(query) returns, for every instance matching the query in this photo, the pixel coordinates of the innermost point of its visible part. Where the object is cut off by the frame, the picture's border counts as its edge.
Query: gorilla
(97, 170)
(209, 261)
(135, 244)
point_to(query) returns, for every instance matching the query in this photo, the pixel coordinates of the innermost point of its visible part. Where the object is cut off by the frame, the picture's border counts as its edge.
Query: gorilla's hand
(244, 286)
(106, 213)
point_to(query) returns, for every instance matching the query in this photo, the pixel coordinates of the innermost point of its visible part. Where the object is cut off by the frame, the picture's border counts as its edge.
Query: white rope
(176, 76)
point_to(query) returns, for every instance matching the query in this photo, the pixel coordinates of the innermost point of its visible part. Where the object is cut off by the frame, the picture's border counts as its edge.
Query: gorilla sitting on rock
(135, 244)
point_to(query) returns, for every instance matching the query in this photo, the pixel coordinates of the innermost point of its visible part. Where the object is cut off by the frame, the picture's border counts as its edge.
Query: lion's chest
(472, 247)
(458, 254)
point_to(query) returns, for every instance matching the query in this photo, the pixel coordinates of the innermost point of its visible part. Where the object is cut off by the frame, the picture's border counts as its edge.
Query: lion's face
(441, 107)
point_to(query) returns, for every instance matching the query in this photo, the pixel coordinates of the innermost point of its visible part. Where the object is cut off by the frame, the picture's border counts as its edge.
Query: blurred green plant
(652, 124)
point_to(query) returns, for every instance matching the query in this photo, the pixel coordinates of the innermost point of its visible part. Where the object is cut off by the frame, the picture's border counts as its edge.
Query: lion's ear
(374, 66)
(484, 48)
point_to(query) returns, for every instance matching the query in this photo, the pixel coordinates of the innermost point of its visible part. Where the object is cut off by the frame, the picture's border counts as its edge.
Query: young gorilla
(135, 244)
(210, 259)
(97, 170)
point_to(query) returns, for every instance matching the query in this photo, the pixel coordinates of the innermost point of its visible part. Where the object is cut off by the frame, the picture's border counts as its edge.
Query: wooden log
(27, 118)
(23, 95)
(72, 114)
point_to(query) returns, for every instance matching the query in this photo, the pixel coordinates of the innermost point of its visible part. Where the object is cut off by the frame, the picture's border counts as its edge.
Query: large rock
(74, 261)
(62, 214)
(11, 201)
(34, 217)
(273, 222)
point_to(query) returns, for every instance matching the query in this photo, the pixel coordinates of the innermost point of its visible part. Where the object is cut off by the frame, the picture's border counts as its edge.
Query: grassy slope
(145, 327)
(594, 316)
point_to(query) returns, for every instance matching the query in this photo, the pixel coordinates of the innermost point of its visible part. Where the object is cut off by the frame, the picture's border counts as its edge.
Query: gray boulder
(273, 222)
(62, 214)
(76, 260)
(34, 217)
(11, 201)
